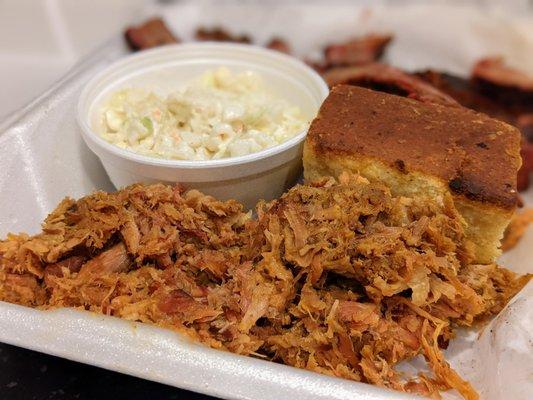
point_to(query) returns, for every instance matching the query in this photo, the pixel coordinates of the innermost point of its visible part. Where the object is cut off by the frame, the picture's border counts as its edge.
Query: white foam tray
(43, 159)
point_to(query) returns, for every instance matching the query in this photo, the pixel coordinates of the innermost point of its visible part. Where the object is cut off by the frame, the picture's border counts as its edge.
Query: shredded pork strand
(517, 228)
(336, 277)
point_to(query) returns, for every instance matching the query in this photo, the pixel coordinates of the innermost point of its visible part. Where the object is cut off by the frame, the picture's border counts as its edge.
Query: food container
(262, 175)
(43, 159)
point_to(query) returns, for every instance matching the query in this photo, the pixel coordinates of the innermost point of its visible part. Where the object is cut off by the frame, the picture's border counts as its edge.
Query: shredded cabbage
(221, 114)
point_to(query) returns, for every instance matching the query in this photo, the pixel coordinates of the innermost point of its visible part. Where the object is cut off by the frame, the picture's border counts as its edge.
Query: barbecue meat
(338, 277)
(508, 85)
(358, 51)
(218, 34)
(385, 78)
(279, 44)
(152, 33)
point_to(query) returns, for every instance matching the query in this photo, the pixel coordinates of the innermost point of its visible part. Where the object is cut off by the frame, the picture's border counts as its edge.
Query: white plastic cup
(262, 175)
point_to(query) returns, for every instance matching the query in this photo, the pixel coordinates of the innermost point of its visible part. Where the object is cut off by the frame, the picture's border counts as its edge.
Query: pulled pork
(336, 277)
(517, 228)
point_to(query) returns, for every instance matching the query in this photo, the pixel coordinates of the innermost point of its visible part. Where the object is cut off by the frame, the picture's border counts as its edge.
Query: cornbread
(420, 149)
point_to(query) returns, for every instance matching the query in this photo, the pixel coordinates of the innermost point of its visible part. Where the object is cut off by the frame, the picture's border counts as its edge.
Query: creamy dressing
(221, 114)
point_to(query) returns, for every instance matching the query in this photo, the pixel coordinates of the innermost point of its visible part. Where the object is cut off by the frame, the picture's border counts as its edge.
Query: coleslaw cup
(262, 175)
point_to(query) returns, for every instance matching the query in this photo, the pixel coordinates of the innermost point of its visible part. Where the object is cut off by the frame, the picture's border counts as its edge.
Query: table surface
(28, 375)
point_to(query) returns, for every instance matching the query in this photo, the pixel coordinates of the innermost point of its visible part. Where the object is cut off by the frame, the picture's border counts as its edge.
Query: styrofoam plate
(43, 159)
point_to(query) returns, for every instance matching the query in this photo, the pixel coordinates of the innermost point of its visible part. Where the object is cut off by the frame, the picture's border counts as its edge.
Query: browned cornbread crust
(421, 149)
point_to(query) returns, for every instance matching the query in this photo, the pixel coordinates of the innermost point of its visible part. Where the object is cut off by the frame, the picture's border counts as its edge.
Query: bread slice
(421, 149)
